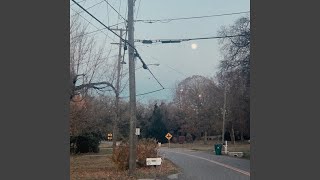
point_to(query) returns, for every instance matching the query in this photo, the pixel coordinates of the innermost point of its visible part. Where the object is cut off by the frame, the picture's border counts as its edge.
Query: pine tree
(157, 128)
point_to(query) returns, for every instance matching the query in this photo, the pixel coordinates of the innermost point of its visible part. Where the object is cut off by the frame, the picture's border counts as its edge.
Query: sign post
(168, 136)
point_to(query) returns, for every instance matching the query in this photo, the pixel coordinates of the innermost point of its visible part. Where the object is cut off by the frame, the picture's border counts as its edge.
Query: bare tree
(85, 60)
(236, 50)
(86, 116)
(198, 98)
(235, 75)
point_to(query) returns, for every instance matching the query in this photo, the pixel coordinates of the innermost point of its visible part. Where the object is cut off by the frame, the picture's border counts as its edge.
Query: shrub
(174, 140)
(189, 138)
(146, 148)
(84, 143)
(182, 139)
(121, 155)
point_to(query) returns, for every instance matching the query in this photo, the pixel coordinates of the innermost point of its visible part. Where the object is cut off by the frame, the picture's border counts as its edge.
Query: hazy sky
(186, 61)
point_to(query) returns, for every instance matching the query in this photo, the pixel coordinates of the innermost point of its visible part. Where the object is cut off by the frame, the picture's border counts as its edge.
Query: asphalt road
(196, 165)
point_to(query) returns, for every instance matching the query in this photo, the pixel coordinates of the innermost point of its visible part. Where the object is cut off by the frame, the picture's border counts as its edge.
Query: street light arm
(145, 65)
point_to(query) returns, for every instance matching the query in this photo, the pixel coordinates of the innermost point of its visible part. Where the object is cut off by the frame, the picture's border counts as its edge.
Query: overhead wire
(186, 18)
(95, 31)
(94, 26)
(150, 92)
(125, 41)
(138, 9)
(108, 28)
(167, 65)
(78, 2)
(108, 17)
(182, 40)
(88, 8)
(114, 10)
(119, 11)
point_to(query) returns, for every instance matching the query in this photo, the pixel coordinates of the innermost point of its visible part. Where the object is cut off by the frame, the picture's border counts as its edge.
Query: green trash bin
(218, 149)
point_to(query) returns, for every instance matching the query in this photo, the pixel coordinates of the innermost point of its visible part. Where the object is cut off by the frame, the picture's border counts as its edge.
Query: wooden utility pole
(224, 111)
(117, 92)
(132, 89)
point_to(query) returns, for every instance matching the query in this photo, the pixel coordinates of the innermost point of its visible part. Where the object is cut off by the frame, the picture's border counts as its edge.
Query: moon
(194, 46)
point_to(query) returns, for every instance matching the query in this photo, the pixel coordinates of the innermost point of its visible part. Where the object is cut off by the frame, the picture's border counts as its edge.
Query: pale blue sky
(202, 61)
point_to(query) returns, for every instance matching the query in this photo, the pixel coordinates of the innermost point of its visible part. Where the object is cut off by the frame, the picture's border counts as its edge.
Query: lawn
(100, 166)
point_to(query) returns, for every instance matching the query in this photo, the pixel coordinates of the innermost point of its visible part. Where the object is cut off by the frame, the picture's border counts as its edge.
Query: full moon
(194, 46)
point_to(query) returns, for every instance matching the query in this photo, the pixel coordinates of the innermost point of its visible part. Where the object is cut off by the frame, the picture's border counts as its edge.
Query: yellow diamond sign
(168, 136)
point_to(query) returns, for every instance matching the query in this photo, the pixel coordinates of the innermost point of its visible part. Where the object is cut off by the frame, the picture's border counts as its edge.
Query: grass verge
(100, 166)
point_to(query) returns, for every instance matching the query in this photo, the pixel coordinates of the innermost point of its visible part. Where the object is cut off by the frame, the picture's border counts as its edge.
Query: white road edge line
(218, 163)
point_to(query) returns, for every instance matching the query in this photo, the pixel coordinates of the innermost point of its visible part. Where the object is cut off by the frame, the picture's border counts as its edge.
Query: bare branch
(95, 86)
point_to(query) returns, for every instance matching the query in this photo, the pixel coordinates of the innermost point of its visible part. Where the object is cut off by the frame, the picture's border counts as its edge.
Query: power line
(186, 18)
(78, 2)
(145, 67)
(93, 25)
(168, 66)
(103, 24)
(108, 17)
(114, 10)
(150, 92)
(138, 9)
(155, 78)
(125, 41)
(182, 40)
(88, 8)
(95, 31)
(214, 37)
(119, 11)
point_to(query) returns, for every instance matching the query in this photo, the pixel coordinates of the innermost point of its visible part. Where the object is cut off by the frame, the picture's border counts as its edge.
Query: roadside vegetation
(100, 165)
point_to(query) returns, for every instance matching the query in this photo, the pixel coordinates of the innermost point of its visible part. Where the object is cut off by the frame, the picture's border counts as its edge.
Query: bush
(181, 139)
(121, 156)
(174, 140)
(189, 138)
(84, 143)
(146, 148)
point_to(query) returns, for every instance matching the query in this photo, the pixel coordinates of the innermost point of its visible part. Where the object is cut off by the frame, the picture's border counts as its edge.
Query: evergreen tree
(157, 128)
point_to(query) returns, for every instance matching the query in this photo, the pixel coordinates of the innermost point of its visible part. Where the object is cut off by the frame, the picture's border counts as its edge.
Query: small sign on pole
(168, 136)
(137, 131)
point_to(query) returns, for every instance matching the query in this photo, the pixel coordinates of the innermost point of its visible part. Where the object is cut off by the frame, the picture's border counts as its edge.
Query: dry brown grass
(87, 167)
(100, 166)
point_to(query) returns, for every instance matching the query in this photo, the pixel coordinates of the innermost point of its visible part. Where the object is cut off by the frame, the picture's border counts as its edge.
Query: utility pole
(117, 92)
(132, 89)
(224, 111)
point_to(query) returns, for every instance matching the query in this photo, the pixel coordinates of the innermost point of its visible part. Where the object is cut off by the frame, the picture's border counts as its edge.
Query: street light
(180, 98)
(148, 65)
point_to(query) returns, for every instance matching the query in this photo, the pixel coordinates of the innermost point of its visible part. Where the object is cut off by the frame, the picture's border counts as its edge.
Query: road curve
(196, 165)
